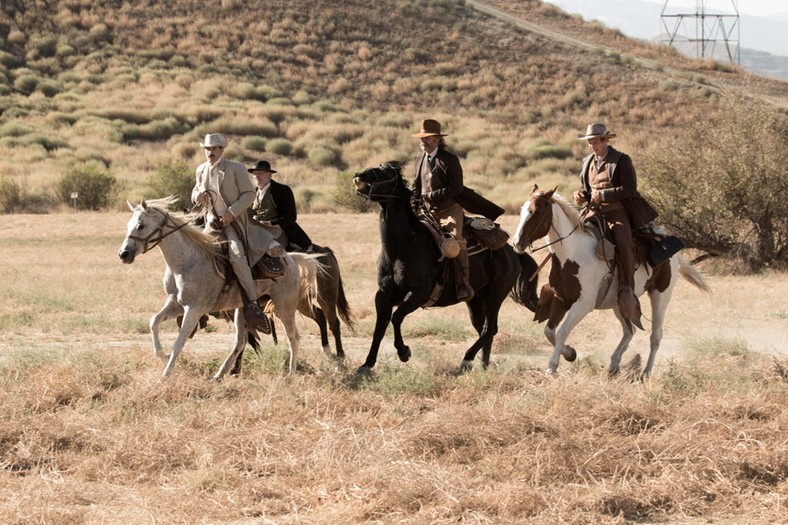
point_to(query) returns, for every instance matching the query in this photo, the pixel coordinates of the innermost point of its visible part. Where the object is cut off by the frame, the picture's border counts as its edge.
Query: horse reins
(556, 231)
(148, 242)
(373, 185)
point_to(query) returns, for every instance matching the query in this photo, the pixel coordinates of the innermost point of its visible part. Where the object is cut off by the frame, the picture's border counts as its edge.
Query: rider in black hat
(274, 207)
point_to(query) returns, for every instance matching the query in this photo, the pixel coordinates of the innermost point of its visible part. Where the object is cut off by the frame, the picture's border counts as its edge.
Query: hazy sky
(746, 7)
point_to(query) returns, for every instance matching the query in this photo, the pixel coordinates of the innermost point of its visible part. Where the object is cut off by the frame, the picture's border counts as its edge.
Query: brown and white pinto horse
(580, 281)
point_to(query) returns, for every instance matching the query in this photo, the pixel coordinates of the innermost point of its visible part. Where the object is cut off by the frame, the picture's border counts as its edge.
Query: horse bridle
(373, 185)
(551, 226)
(149, 242)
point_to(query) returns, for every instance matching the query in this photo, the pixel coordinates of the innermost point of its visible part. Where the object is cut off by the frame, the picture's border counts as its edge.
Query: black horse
(410, 265)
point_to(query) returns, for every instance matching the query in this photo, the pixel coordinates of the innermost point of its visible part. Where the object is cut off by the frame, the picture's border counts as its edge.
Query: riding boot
(462, 276)
(629, 306)
(255, 318)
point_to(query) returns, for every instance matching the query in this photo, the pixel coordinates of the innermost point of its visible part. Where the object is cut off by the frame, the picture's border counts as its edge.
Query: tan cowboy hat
(430, 128)
(214, 140)
(596, 130)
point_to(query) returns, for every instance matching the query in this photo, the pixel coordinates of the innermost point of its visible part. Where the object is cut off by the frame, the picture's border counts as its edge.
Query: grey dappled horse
(195, 285)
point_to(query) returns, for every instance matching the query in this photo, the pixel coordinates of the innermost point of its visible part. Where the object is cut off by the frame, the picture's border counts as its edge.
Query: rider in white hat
(225, 188)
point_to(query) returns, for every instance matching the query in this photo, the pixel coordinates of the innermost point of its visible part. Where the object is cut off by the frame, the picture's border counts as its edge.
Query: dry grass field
(89, 434)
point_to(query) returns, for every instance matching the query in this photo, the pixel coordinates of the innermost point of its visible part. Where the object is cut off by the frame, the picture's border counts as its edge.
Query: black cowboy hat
(261, 165)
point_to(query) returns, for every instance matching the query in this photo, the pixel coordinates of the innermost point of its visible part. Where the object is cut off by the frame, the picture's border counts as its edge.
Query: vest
(266, 211)
(599, 179)
(426, 175)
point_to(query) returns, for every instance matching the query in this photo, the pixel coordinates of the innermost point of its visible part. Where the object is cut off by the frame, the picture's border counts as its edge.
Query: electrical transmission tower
(709, 30)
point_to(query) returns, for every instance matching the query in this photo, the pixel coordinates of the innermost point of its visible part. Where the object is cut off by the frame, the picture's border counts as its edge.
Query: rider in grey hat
(609, 190)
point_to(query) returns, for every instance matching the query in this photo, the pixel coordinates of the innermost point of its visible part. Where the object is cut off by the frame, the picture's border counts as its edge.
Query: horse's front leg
(170, 310)
(240, 344)
(191, 317)
(413, 300)
(575, 314)
(478, 314)
(383, 309)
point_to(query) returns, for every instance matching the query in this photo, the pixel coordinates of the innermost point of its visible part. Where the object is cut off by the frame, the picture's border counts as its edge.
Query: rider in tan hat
(609, 190)
(436, 187)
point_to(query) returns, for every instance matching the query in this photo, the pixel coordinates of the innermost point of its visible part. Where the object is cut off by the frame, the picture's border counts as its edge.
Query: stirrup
(256, 319)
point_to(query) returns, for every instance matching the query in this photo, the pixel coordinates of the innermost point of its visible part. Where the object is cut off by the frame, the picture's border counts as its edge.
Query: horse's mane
(206, 242)
(397, 166)
(568, 209)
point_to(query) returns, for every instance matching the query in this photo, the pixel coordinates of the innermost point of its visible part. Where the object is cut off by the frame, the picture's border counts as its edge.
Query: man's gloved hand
(482, 224)
(580, 197)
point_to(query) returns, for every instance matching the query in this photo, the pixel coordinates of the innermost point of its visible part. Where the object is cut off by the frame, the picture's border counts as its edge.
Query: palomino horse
(410, 267)
(580, 279)
(195, 285)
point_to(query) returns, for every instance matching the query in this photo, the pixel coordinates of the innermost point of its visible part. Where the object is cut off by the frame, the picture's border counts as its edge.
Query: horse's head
(142, 229)
(381, 183)
(536, 216)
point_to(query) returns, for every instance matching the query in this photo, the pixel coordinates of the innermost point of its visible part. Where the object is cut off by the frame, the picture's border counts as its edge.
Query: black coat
(285, 203)
(447, 187)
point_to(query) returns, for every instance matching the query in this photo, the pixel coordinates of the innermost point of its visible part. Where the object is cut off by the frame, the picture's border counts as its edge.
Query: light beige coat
(238, 193)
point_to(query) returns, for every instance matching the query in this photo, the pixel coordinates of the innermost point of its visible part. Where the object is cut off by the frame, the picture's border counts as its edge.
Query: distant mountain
(762, 41)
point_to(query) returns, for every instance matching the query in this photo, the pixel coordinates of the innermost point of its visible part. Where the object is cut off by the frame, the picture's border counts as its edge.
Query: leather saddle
(651, 246)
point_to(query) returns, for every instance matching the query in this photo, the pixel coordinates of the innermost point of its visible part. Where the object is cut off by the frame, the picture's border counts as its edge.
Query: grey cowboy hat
(262, 165)
(596, 130)
(214, 140)
(430, 128)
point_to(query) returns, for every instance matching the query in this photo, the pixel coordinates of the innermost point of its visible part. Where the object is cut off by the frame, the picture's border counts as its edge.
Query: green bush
(65, 50)
(26, 83)
(93, 183)
(279, 146)
(253, 143)
(345, 195)
(726, 205)
(49, 88)
(10, 195)
(173, 179)
(322, 156)
(45, 45)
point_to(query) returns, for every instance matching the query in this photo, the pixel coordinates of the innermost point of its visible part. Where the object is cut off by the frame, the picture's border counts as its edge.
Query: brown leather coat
(624, 181)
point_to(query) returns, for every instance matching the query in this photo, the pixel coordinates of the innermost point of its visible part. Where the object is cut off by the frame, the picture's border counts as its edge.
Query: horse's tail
(308, 268)
(524, 290)
(691, 274)
(342, 306)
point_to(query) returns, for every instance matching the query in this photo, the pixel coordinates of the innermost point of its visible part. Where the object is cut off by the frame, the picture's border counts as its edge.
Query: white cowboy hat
(214, 139)
(596, 130)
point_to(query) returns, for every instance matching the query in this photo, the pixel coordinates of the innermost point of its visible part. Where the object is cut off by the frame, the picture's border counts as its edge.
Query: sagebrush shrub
(279, 146)
(173, 179)
(95, 187)
(10, 195)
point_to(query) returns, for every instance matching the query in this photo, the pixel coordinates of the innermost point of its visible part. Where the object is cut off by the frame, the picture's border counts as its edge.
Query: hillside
(330, 87)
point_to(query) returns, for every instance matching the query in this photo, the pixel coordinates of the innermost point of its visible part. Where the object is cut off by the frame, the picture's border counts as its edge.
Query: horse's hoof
(466, 366)
(404, 356)
(569, 354)
(364, 372)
